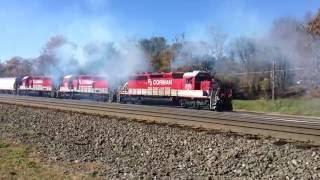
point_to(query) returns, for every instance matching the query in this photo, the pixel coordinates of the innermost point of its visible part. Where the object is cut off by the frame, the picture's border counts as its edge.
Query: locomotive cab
(203, 82)
(26, 82)
(200, 81)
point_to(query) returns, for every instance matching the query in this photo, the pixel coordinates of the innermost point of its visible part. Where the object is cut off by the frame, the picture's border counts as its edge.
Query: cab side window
(189, 81)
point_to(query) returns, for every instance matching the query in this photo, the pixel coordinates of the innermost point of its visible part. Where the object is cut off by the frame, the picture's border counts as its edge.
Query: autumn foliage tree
(16, 66)
(314, 25)
(158, 52)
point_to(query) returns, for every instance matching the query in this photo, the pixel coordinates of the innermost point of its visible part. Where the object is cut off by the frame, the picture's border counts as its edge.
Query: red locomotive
(84, 85)
(40, 85)
(197, 89)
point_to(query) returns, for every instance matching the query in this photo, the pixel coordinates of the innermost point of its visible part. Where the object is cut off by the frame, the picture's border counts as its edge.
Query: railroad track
(288, 127)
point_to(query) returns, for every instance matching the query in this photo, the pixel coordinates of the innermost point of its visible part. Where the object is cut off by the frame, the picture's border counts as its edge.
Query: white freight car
(8, 85)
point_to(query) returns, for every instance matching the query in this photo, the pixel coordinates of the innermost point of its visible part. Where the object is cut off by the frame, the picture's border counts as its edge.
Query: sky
(26, 25)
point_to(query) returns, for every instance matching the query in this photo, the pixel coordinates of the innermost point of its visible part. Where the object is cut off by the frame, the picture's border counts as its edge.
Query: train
(196, 89)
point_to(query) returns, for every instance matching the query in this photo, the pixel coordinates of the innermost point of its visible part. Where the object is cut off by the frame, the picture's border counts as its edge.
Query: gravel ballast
(129, 149)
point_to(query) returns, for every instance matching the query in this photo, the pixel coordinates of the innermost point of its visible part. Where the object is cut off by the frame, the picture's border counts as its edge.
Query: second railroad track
(287, 127)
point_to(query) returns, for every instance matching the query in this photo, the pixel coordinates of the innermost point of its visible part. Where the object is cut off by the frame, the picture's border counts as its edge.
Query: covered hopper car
(9, 85)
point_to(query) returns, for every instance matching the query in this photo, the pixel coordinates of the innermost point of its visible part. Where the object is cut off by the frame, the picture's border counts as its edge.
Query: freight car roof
(68, 76)
(191, 74)
(25, 77)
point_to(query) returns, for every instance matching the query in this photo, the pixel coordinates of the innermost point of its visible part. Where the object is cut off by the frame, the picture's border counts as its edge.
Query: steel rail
(283, 127)
(203, 114)
(216, 115)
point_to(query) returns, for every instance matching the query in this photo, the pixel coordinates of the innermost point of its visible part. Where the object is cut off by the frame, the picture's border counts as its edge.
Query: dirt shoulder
(19, 161)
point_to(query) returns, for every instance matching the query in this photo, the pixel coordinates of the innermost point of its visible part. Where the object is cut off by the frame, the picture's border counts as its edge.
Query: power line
(262, 72)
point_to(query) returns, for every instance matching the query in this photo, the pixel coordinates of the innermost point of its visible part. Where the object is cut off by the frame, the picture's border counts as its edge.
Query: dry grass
(303, 106)
(20, 162)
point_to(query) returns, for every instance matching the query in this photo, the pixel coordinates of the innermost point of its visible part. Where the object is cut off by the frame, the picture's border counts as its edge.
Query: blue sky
(26, 25)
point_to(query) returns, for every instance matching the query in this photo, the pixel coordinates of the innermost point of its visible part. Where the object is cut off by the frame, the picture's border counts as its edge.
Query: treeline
(291, 49)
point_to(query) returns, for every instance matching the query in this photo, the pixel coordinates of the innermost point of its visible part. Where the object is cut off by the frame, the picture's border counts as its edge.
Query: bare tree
(217, 42)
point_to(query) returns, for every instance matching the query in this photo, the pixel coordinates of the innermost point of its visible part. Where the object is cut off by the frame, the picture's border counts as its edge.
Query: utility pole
(273, 78)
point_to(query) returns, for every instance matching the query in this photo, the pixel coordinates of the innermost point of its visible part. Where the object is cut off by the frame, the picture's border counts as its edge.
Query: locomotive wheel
(105, 98)
(183, 103)
(175, 101)
(138, 101)
(122, 100)
(58, 95)
(52, 94)
(219, 106)
(198, 106)
(132, 101)
(228, 106)
(92, 96)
